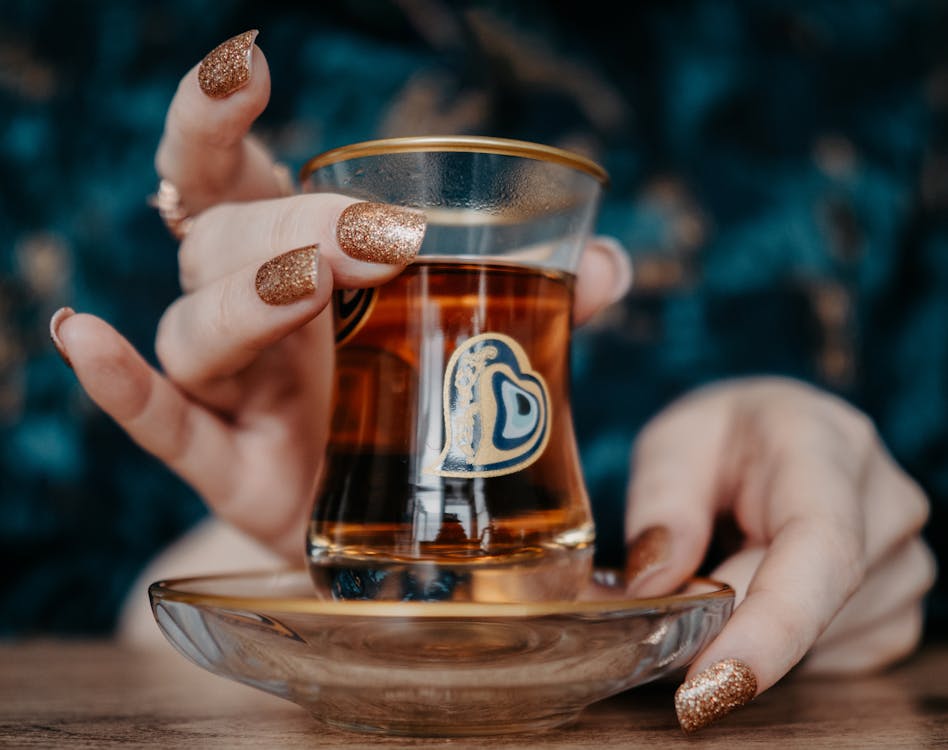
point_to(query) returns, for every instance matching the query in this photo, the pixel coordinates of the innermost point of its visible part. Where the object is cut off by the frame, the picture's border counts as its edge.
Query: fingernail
(714, 693)
(622, 280)
(646, 553)
(54, 322)
(226, 68)
(288, 277)
(381, 233)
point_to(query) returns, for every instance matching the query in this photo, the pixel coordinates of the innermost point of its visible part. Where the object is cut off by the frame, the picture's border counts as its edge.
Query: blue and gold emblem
(496, 410)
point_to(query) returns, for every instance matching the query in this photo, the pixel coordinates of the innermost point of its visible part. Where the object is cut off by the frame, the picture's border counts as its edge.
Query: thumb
(604, 276)
(673, 493)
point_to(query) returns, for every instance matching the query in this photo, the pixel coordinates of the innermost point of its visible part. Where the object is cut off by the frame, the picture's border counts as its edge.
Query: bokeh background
(780, 176)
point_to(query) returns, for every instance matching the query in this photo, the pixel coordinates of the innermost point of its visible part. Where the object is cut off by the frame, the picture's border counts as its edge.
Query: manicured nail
(647, 553)
(54, 322)
(714, 693)
(288, 277)
(226, 68)
(381, 233)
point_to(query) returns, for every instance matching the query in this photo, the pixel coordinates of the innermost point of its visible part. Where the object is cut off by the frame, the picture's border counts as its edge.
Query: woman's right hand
(240, 408)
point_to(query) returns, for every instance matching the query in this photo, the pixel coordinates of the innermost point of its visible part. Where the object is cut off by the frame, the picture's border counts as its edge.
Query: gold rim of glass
(472, 143)
(174, 589)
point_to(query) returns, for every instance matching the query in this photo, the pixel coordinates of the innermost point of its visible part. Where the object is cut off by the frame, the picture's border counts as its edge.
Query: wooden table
(95, 695)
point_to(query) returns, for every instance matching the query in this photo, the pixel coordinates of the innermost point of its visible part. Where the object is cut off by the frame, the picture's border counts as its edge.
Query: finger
(895, 586)
(797, 420)
(730, 684)
(766, 636)
(873, 648)
(365, 243)
(895, 583)
(194, 443)
(812, 565)
(673, 493)
(738, 570)
(604, 276)
(896, 507)
(205, 150)
(222, 327)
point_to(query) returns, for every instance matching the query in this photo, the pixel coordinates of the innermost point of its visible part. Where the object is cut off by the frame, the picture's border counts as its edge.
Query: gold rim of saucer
(473, 143)
(174, 589)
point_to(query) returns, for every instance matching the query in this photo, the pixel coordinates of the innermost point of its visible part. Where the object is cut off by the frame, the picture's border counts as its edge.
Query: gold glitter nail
(288, 277)
(714, 693)
(647, 552)
(226, 68)
(381, 233)
(54, 322)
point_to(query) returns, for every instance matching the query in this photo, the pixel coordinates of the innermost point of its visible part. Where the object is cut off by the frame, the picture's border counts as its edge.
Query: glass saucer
(436, 668)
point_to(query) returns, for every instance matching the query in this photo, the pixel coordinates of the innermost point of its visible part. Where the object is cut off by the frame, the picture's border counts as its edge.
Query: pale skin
(831, 571)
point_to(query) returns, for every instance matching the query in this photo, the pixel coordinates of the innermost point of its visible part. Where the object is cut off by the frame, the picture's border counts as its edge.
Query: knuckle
(171, 346)
(848, 560)
(210, 128)
(178, 435)
(904, 636)
(791, 633)
(844, 553)
(802, 412)
(289, 223)
(666, 432)
(918, 507)
(885, 644)
(189, 276)
(857, 426)
(192, 252)
(224, 313)
(826, 432)
(926, 565)
(796, 425)
(165, 349)
(798, 421)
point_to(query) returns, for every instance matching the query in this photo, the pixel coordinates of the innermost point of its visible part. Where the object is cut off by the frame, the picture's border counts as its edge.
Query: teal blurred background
(780, 177)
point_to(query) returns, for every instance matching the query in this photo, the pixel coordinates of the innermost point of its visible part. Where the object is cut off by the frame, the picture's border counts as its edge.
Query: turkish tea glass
(452, 471)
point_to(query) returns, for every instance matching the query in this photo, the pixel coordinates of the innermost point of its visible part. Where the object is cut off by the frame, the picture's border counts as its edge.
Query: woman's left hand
(827, 559)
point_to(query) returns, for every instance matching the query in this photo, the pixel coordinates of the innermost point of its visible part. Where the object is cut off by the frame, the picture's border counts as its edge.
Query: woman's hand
(828, 562)
(240, 408)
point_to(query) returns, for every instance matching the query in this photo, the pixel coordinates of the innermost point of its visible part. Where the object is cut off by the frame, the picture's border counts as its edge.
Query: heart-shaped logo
(496, 410)
(350, 308)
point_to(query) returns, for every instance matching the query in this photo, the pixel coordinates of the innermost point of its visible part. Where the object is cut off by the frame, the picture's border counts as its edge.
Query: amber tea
(452, 470)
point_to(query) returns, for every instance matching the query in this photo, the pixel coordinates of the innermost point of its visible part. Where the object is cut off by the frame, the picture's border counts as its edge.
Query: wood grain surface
(98, 694)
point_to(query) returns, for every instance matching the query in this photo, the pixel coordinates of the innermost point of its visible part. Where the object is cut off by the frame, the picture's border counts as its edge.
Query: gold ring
(167, 200)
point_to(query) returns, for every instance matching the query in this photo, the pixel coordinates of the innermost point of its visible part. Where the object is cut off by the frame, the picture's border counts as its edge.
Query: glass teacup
(452, 471)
